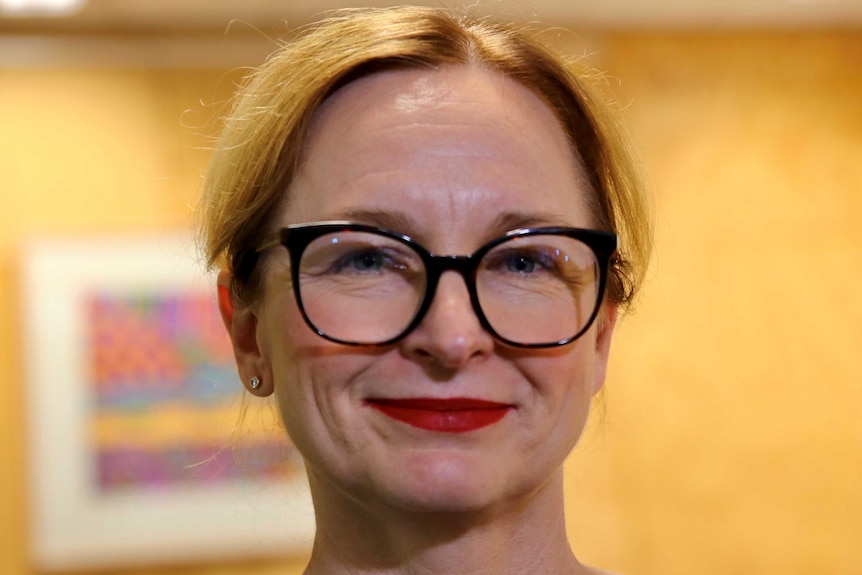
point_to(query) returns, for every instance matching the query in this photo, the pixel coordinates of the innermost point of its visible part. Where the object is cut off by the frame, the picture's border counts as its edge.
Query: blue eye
(520, 261)
(520, 264)
(365, 261)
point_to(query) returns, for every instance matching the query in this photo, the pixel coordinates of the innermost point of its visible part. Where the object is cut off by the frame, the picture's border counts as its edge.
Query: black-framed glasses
(357, 284)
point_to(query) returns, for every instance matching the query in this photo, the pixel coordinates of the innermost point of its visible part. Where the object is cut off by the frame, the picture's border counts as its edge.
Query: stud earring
(255, 382)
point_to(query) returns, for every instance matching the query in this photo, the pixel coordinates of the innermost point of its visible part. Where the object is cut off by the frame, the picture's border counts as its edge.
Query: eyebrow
(395, 221)
(516, 220)
(505, 222)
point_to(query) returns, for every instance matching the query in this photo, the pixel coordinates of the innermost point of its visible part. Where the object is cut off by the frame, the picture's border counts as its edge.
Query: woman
(433, 398)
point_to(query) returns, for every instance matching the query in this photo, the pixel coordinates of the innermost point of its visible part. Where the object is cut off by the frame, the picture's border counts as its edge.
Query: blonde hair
(258, 152)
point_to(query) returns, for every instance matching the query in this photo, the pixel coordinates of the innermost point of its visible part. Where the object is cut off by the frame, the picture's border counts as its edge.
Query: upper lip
(440, 404)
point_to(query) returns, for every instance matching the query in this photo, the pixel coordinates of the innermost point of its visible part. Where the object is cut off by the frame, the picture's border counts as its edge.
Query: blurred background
(728, 439)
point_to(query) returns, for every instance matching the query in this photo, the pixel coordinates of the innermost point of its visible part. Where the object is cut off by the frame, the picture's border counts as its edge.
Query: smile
(455, 415)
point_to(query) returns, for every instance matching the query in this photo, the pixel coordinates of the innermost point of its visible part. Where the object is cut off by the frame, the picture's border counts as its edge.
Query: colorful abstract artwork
(143, 448)
(164, 397)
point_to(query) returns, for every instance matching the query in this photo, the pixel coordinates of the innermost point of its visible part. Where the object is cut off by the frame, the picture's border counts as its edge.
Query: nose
(449, 334)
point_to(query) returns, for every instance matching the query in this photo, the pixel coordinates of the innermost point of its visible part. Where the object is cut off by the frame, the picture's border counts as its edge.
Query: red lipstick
(453, 415)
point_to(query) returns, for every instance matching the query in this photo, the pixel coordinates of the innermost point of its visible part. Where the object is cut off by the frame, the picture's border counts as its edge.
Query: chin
(451, 484)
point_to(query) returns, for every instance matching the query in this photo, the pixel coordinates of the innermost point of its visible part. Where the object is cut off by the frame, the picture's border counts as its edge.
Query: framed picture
(143, 447)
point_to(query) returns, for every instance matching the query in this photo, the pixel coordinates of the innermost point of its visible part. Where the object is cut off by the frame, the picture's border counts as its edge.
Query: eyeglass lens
(365, 287)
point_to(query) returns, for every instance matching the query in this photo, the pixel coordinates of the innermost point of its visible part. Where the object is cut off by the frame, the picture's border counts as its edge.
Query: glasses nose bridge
(462, 264)
(437, 265)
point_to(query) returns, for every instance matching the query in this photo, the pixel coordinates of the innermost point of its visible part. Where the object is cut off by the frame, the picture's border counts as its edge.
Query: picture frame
(105, 426)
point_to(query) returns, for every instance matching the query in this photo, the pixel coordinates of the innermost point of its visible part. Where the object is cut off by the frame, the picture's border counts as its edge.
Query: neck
(523, 536)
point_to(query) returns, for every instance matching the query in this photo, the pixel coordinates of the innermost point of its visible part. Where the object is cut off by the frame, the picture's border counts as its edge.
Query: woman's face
(453, 158)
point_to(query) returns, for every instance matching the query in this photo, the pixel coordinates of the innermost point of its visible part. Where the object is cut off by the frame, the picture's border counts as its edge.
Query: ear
(242, 326)
(607, 320)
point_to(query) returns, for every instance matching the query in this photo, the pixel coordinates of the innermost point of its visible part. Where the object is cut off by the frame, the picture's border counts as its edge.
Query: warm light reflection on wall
(40, 7)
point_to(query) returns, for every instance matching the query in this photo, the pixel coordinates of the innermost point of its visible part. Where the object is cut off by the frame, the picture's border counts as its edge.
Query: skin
(452, 157)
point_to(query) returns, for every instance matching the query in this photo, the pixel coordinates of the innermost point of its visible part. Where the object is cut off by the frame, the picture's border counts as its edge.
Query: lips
(454, 415)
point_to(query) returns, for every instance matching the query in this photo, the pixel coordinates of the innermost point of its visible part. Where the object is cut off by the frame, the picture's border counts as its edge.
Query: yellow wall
(731, 441)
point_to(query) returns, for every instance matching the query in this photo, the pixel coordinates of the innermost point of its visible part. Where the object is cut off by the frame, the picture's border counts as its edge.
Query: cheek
(283, 335)
(313, 380)
(285, 342)
(565, 371)
(563, 388)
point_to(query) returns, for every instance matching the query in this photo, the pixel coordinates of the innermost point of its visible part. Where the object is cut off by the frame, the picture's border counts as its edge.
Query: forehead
(437, 144)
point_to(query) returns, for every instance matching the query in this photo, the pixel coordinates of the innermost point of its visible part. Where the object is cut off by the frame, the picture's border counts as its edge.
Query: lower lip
(453, 416)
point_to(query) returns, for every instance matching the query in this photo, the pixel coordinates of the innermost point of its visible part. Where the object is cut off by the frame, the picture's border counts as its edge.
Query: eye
(366, 261)
(358, 255)
(520, 261)
(520, 264)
